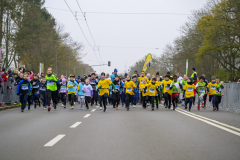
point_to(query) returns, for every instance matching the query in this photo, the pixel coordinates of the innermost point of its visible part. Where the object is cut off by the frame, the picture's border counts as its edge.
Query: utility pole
(6, 62)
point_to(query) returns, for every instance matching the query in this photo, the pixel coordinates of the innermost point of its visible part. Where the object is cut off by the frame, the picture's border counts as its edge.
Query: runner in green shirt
(51, 81)
(201, 88)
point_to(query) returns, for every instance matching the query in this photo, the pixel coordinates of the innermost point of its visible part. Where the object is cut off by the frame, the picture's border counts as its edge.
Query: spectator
(238, 81)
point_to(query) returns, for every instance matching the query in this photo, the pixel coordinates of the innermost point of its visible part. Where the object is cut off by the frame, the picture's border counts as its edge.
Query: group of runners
(118, 91)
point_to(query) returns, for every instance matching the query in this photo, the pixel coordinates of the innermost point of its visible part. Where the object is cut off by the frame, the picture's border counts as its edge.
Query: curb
(8, 107)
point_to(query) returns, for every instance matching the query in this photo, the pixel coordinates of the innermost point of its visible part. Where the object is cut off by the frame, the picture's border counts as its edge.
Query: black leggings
(128, 99)
(63, 97)
(144, 99)
(95, 96)
(71, 98)
(115, 99)
(51, 95)
(103, 101)
(87, 100)
(152, 98)
(175, 101)
(167, 98)
(218, 101)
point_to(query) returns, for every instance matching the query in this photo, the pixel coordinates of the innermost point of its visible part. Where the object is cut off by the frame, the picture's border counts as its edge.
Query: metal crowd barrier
(8, 96)
(231, 98)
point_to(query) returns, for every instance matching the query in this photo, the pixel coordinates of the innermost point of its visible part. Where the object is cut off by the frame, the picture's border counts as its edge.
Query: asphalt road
(137, 134)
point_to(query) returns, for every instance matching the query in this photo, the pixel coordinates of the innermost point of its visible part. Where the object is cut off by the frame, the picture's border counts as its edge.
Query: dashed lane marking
(87, 115)
(54, 140)
(75, 124)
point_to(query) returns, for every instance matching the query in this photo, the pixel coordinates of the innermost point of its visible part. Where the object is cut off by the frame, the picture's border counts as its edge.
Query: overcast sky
(123, 38)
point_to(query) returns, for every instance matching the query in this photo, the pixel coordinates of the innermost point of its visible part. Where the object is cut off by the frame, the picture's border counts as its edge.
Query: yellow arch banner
(148, 58)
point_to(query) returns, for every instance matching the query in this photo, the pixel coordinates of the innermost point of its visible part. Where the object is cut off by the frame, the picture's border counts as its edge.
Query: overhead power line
(89, 30)
(156, 13)
(81, 29)
(137, 13)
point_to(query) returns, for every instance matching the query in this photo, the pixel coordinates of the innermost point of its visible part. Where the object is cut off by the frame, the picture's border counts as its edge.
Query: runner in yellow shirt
(152, 88)
(189, 89)
(144, 94)
(166, 90)
(129, 89)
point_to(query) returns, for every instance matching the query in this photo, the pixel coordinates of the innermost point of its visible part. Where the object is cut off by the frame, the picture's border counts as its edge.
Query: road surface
(137, 134)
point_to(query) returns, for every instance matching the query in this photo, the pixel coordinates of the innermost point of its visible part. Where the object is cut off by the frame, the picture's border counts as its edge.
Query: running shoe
(198, 107)
(100, 108)
(117, 108)
(49, 108)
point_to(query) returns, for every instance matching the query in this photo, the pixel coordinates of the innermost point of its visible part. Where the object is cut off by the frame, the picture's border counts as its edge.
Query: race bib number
(117, 87)
(213, 87)
(141, 81)
(63, 87)
(42, 89)
(152, 90)
(220, 89)
(37, 86)
(50, 83)
(156, 95)
(201, 90)
(175, 90)
(129, 89)
(190, 89)
(167, 87)
(24, 87)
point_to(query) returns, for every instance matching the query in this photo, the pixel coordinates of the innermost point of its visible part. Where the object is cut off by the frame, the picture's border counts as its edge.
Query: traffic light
(109, 63)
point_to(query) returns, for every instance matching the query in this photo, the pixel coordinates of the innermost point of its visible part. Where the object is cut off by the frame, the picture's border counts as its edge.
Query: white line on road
(223, 124)
(93, 110)
(213, 124)
(75, 124)
(54, 140)
(87, 115)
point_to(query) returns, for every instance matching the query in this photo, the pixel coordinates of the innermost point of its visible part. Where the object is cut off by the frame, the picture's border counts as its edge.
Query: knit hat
(193, 69)
(64, 79)
(78, 77)
(136, 71)
(148, 74)
(157, 73)
(167, 75)
(153, 79)
(190, 78)
(213, 78)
(126, 74)
(82, 80)
(115, 70)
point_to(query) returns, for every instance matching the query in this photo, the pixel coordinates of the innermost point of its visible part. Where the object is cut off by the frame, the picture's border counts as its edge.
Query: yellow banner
(148, 58)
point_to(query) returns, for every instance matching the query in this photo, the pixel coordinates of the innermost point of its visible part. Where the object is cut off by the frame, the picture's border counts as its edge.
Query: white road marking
(213, 124)
(54, 140)
(223, 124)
(93, 110)
(87, 115)
(75, 124)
